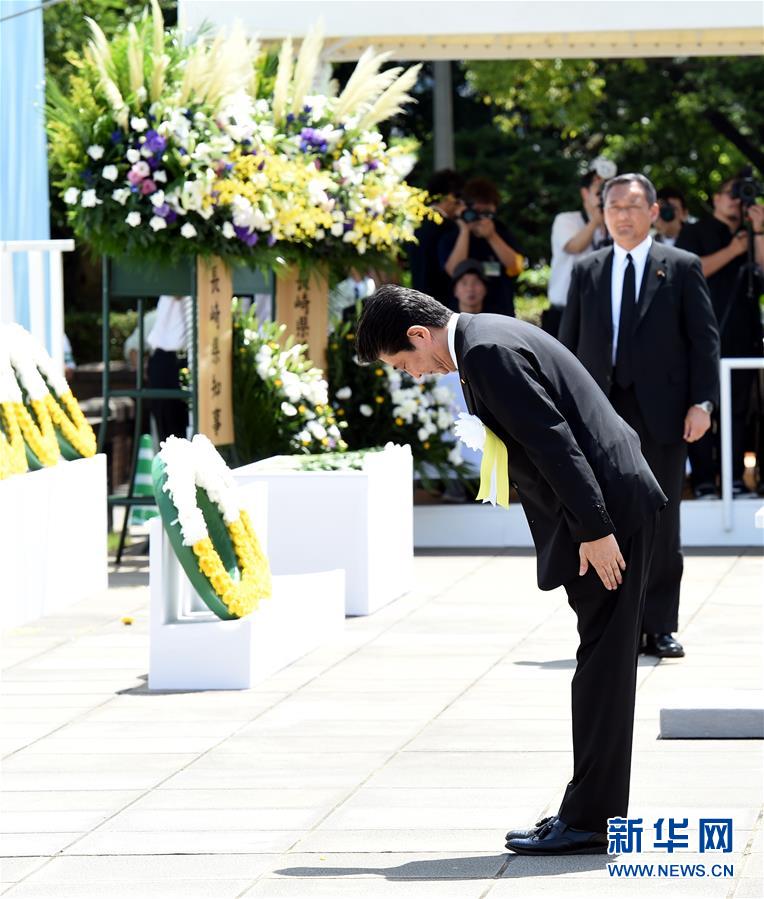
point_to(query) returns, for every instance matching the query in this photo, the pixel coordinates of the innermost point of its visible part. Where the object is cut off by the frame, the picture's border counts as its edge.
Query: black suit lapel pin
(660, 273)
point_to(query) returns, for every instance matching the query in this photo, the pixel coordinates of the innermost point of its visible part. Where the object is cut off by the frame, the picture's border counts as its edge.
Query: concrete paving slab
(396, 756)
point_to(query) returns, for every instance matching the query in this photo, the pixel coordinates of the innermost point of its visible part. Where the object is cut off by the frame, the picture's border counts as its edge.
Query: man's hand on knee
(606, 559)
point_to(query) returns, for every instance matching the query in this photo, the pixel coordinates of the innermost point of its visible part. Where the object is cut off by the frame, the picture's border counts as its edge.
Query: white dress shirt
(639, 258)
(451, 332)
(565, 226)
(170, 332)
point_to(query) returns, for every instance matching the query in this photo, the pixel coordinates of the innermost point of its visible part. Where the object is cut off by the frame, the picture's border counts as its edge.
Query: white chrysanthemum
(157, 198)
(71, 195)
(455, 455)
(121, 195)
(157, 223)
(470, 430)
(133, 219)
(21, 348)
(110, 172)
(95, 152)
(132, 155)
(138, 123)
(89, 199)
(188, 230)
(288, 409)
(228, 231)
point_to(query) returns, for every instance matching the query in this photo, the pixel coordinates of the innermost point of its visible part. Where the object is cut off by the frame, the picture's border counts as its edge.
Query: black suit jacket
(675, 341)
(575, 463)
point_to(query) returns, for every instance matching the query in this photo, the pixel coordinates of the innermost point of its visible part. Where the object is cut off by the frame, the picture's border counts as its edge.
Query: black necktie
(624, 376)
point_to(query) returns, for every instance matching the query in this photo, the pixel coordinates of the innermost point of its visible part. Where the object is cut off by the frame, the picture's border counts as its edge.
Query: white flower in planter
(157, 223)
(89, 199)
(228, 231)
(455, 455)
(157, 198)
(288, 409)
(317, 430)
(365, 410)
(160, 176)
(344, 393)
(95, 152)
(110, 172)
(132, 155)
(133, 219)
(188, 230)
(71, 196)
(138, 123)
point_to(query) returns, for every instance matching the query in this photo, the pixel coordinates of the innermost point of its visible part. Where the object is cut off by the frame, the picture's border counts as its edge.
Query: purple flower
(148, 187)
(371, 165)
(290, 118)
(245, 235)
(348, 226)
(271, 240)
(116, 137)
(261, 166)
(171, 216)
(155, 142)
(163, 210)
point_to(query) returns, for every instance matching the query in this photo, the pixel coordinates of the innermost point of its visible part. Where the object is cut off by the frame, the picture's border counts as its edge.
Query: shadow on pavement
(479, 867)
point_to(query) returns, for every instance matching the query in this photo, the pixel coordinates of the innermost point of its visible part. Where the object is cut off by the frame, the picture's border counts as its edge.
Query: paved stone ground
(389, 763)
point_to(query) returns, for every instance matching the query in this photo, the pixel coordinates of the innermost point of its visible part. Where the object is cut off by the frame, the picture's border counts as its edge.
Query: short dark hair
(445, 182)
(388, 314)
(672, 193)
(481, 190)
(586, 179)
(645, 183)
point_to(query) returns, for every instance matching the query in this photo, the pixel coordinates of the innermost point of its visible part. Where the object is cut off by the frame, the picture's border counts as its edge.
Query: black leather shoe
(663, 645)
(556, 838)
(524, 834)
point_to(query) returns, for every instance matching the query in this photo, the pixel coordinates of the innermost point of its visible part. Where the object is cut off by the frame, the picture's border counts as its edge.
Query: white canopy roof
(481, 29)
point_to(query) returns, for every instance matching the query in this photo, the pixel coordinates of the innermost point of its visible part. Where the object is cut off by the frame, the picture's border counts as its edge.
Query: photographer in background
(427, 275)
(672, 217)
(480, 236)
(722, 242)
(573, 235)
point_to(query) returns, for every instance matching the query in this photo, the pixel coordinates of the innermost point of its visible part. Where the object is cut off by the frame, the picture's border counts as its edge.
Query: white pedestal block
(360, 521)
(53, 548)
(192, 649)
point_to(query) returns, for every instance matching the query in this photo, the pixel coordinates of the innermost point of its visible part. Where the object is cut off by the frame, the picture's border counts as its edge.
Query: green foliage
(684, 122)
(84, 332)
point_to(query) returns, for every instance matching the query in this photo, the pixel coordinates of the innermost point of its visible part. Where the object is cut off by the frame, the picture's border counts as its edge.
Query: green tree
(689, 122)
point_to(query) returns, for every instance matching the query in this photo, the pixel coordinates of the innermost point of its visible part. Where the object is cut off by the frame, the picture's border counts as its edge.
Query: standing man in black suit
(591, 503)
(639, 317)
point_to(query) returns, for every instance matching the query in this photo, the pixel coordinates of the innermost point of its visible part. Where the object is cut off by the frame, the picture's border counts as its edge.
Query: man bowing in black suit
(591, 502)
(639, 317)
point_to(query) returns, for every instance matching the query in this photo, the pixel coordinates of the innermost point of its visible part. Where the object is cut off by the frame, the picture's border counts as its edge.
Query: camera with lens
(746, 188)
(667, 212)
(473, 215)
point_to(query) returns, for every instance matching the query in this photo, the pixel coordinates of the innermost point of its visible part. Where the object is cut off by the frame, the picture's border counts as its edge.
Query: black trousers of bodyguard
(667, 462)
(603, 689)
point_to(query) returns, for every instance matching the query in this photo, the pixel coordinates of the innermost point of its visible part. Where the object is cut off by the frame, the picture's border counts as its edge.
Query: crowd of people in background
(470, 260)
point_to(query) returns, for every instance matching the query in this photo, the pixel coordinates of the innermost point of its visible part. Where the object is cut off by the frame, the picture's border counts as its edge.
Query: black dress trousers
(667, 462)
(604, 685)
